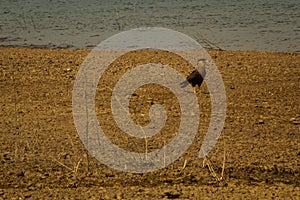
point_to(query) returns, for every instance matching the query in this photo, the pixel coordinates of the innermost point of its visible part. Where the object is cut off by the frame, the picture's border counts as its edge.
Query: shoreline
(45, 47)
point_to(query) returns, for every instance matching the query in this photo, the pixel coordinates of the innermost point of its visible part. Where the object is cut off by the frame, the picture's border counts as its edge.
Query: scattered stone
(119, 195)
(68, 70)
(170, 195)
(6, 156)
(295, 121)
(261, 121)
(20, 174)
(27, 195)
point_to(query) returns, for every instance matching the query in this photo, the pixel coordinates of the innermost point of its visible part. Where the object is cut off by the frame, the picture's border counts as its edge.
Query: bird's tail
(184, 84)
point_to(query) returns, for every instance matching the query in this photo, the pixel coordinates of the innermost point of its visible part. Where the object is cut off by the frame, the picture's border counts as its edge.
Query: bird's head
(202, 65)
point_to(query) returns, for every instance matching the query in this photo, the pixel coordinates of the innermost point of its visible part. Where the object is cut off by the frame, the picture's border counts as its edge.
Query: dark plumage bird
(195, 79)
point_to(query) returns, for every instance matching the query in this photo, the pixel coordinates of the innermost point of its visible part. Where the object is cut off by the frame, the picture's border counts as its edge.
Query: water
(260, 25)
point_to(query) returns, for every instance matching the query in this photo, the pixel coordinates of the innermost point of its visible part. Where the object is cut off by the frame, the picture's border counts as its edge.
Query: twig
(224, 159)
(63, 164)
(184, 165)
(208, 163)
(75, 169)
(77, 166)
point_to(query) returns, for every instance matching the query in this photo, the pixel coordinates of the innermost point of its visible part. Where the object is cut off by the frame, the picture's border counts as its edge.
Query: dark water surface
(260, 25)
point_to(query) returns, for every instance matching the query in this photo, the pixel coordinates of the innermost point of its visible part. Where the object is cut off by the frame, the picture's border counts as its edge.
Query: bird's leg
(195, 90)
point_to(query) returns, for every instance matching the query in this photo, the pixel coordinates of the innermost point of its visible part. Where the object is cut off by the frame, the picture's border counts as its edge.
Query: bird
(195, 79)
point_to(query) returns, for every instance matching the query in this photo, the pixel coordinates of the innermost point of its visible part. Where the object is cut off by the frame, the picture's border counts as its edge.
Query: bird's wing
(203, 73)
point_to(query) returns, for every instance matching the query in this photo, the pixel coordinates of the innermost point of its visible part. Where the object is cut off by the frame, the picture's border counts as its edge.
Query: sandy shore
(42, 157)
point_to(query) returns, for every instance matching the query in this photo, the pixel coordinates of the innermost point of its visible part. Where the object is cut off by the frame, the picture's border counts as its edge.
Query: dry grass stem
(75, 168)
(208, 163)
(60, 163)
(184, 165)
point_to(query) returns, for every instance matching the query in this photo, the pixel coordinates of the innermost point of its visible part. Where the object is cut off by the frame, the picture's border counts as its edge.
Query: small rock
(172, 196)
(6, 156)
(119, 195)
(20, 174)
(38, 185)
(68, 70)
(294, 121)
(261, 121)
(27, 195)
(9, 173)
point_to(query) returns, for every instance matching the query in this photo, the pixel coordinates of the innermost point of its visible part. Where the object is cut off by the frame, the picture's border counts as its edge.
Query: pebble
(27, 195)
(68, 70)
(261, 121)
(294, 121)
(119, 195)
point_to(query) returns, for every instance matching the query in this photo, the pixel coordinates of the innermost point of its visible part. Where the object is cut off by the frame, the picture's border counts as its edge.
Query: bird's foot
(196, 92)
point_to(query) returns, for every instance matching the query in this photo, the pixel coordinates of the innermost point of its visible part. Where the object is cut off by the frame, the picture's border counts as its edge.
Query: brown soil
(42, 157)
